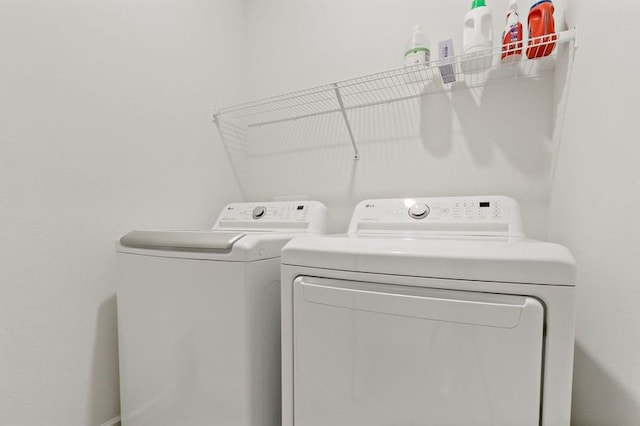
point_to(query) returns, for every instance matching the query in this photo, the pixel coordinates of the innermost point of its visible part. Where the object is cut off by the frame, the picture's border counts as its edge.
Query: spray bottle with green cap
(477, 37)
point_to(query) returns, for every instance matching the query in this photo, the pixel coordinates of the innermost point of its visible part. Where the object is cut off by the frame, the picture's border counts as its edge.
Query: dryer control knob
(259, 212)
(419, 211)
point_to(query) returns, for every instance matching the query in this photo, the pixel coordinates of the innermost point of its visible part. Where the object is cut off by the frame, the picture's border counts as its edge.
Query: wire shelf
(241, 122)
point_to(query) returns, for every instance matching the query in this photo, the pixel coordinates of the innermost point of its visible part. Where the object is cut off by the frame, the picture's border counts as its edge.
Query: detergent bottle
(512, 35)
(477, 37)
(542, 32)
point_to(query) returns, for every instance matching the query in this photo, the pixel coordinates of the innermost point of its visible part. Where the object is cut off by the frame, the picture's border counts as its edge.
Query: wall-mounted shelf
(241, 122)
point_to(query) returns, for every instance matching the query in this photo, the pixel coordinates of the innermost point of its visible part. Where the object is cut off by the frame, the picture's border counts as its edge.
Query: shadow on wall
(105, 374)
(598, 399)
(511, 115)
(436, 125)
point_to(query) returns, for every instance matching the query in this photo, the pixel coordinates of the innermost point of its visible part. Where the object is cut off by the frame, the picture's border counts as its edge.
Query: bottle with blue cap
(512, 35)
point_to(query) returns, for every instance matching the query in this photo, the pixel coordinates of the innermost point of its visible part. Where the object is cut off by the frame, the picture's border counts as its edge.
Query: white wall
(496, 140)
(104, 127)
(594, 210)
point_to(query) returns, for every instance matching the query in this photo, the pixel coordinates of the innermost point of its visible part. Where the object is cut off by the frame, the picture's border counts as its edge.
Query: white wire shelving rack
(240, 125)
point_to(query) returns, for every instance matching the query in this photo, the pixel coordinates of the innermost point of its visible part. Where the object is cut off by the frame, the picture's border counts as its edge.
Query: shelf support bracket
(346, 121)
(569, 35)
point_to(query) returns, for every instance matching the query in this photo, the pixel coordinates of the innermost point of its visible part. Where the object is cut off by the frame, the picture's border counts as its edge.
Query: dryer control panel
(308, 216)
(455, 216)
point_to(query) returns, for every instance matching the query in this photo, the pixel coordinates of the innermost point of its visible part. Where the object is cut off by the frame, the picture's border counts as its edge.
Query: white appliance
(430, 311)
(199, 317)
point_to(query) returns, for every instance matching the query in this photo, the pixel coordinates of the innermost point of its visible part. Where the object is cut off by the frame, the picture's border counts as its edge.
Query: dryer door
(368, 354)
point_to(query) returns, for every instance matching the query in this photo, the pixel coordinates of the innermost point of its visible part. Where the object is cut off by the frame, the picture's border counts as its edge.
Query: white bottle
(418, 48)
(477, 38)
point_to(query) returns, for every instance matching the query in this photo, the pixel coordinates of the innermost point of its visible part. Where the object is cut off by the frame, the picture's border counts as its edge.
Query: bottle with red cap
(542, 32)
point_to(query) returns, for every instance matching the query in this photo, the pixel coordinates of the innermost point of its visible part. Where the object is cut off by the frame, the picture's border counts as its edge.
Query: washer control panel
(307, 215)
(475, 215)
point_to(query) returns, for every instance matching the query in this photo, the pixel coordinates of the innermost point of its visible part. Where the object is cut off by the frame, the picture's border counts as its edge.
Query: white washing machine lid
(243, 232)
(476, 259)
(212, 242)
(205, 244)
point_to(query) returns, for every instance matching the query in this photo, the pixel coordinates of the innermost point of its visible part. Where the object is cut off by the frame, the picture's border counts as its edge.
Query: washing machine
(429, 311)
(199, 317)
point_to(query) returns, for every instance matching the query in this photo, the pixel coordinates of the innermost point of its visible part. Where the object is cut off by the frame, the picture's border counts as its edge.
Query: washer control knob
(259, 212)
(419, 211)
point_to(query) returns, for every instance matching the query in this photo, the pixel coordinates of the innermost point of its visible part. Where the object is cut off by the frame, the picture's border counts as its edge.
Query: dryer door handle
(492, 310)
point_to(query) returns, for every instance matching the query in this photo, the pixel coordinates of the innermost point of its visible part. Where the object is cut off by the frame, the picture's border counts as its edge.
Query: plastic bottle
(418, 49)
(542, 31)
(512, 35)
(477, 37)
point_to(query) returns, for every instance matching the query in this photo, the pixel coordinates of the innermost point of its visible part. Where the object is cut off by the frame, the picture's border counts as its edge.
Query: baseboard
(113, 422)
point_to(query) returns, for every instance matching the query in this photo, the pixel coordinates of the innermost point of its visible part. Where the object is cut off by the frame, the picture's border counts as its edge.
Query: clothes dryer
(199, 317)
(430, 311)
